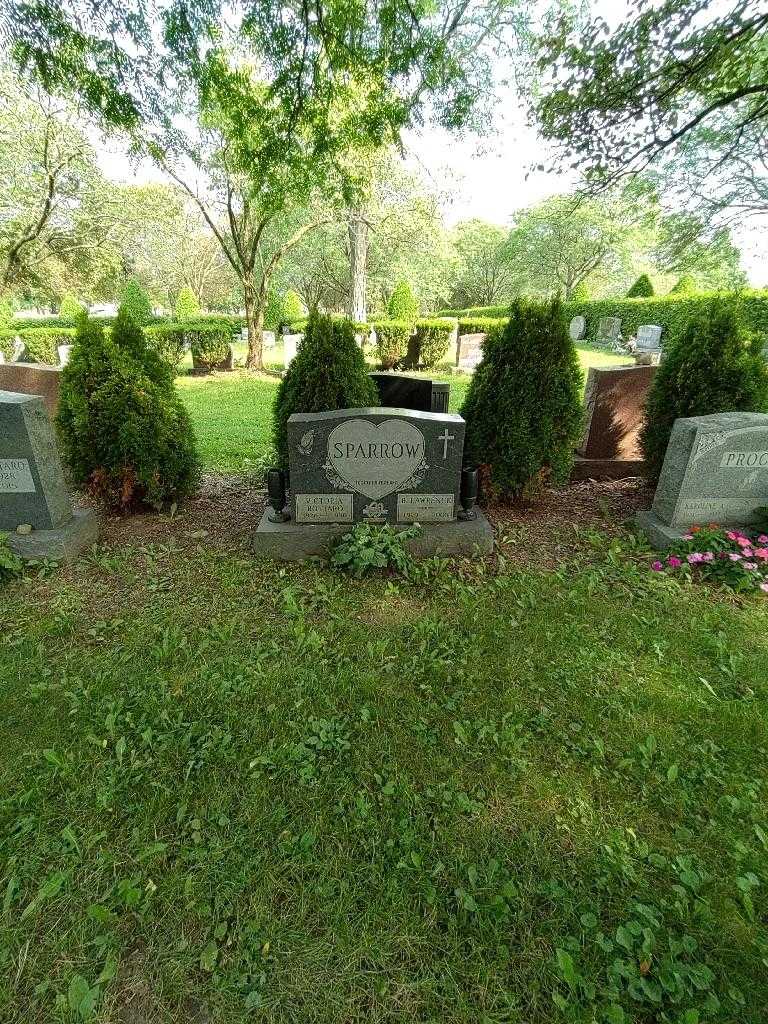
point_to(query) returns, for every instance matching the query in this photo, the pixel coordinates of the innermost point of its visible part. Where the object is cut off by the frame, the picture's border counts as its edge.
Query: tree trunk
(254, 317)
(358, 265)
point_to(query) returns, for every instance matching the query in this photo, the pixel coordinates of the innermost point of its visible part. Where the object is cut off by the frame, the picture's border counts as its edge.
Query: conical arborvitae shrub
(125, 435)
(713, 366)
(327, 372)
(523, 408)
(641, 289)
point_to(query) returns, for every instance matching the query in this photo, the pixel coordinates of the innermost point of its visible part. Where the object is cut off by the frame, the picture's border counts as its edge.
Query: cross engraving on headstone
(445, 438)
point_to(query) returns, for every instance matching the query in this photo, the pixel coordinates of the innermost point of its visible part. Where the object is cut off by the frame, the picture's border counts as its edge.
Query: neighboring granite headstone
(648, 338)
(614, 403)
(577, 328)
(19, 354)
(608, 329)
(64, 352)
(32, 488)
(469, 350)
(715, 470)
(33, 379)
(377, 466)
(404, 392)
(291, 343)
(268, 339)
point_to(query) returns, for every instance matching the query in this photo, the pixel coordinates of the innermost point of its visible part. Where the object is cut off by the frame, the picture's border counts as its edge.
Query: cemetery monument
(35, 507)
(577, 328)
(381, 465)
(715, 470)
(614, 403)
(608, 330)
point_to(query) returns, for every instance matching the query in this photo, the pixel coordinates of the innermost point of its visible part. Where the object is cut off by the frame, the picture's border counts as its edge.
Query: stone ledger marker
(383, 465)
(32, 488)
(715, 470)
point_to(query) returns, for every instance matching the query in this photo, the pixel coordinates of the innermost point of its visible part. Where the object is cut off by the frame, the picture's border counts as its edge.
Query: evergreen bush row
(672, 312)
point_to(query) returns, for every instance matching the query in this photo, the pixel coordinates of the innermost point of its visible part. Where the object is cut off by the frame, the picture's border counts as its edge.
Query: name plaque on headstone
(378, 465)
(715, 470)
(16, 477)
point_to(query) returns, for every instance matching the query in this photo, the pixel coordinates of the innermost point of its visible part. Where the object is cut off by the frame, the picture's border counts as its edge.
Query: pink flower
(731, 535)
(687, 536)
(673, 562)
(764, 586)
(695, 557)
(763, 538)
(749, 565)
(657, 567)
(708, 556)
(761, 553)
(742, 541)
(734, 557)
(747, 552)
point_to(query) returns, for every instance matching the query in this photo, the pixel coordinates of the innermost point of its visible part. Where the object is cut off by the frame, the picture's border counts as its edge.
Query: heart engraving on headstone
(375, 459)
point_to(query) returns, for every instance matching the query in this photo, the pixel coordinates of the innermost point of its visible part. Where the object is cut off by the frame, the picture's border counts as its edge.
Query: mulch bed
(227, 510)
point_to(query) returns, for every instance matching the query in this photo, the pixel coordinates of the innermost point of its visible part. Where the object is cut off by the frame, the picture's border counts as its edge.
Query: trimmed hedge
(391, 341)
(42, 343)
(480, 324)
(672, 312)
(434, 339)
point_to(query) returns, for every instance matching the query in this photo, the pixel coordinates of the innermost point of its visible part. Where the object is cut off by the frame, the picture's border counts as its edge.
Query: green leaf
(614, 1014)
(208, 956)
(567, 969)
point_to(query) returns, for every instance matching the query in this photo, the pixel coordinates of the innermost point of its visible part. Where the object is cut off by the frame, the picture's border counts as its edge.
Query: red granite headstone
(33, 379)
(615, 412)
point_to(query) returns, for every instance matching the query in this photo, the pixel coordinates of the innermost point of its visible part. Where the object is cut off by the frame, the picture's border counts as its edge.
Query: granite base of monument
(62, 544)
(296, 542)
(606, 469)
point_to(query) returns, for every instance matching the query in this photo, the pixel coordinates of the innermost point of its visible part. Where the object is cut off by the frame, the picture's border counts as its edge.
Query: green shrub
(641, 289)
(434, 338)
(712, 367)
(481, 324)
(475, 312)
(135, 302)
(580, 293)
(523, 407)
(170, 341)
(70, 309)
(292, 309)
(392, 338)
(187, 306)
(125, 435)
(210, 346)
(403, 304)
(685, 286)
(6, 315)
(328, 372)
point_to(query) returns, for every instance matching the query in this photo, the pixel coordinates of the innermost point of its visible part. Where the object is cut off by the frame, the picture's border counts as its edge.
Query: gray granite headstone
(648, 338)
(291, 343)
(32, 488)
(375, 465)
(608, 329)
(577, 328)
(715, 470)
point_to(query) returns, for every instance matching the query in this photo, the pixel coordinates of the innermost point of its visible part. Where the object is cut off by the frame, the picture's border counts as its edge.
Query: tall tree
(485, 269)
(297, 92)
(46, 166)
(683, 81)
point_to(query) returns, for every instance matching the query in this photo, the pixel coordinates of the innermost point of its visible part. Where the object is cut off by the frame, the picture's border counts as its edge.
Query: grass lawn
(487, 793)
(234, 793)
(232, 412)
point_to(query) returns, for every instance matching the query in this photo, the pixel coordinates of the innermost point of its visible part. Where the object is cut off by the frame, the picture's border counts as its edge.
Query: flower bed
(727, 555)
